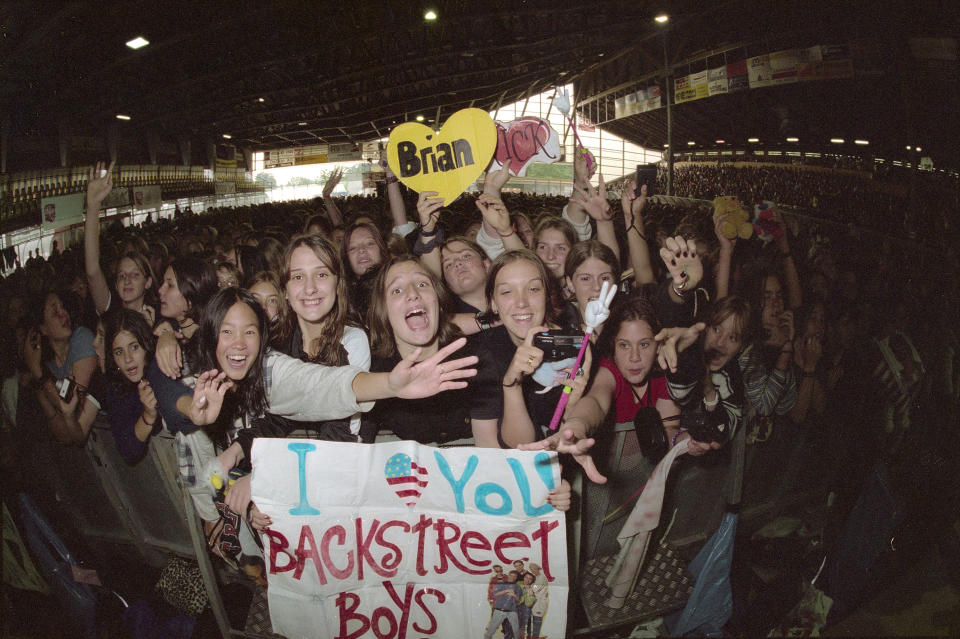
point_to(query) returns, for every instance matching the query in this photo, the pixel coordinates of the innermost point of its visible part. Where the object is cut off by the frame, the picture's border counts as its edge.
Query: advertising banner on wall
(691, 87)
(758, 70)
(147, 197)
(737, 77)
(783, 66)
(117, 197)
(61, 211)
(403, 540)
(717, 81)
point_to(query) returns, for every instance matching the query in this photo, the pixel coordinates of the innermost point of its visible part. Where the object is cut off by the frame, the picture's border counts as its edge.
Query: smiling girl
(518, 292)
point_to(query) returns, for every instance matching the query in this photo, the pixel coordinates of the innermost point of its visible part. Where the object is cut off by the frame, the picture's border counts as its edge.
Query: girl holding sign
(409, 311)
(242, 378)
(517, 289)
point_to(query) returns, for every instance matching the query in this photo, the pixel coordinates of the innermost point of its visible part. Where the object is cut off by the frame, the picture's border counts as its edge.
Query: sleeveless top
(623, 397)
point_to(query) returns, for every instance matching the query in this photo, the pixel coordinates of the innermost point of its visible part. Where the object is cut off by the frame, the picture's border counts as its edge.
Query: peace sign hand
(598, 310)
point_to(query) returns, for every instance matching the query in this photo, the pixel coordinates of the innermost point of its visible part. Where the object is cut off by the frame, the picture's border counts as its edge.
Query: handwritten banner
(524, 141)
(446, 161)
(403, 540)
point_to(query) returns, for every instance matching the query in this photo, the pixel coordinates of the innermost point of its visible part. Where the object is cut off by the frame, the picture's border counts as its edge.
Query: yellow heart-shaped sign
(447, 161)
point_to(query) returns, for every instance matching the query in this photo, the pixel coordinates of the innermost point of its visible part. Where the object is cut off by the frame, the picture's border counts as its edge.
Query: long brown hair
(327, 346)
(382, 342)
(551, 311)
(377, 237)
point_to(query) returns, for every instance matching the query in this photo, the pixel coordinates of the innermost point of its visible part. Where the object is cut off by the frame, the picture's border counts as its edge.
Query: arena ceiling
(276, 74)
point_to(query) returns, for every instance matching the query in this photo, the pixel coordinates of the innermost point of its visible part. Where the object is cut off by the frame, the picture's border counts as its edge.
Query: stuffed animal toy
(738, 223)
(767, 221)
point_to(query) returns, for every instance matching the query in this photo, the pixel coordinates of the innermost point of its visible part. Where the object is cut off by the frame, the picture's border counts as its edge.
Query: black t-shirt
(445, 416)
(495, 344)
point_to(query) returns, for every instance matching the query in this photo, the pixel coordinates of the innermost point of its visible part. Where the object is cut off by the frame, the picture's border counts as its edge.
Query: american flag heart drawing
(407, 478)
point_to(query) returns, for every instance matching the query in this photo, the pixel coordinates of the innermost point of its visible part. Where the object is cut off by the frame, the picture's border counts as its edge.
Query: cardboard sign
(524, 141)
(447, 161)
(404, 540)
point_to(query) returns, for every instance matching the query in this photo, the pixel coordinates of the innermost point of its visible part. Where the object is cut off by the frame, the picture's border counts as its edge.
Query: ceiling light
(302, 123)
(430, 15)
(837, 140)
(719, 141)
(227, 136)
(666, 146)
(419, 118)
(861, 142)
(753, 140)
(121, 116)
(260, 100)
(137, 42)
(793, 139)
(691, 143)
(600, 55)
(919, 149)
(909, 148)
(662, 18)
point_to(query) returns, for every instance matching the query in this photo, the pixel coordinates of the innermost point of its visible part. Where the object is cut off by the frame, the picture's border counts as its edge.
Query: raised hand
(594, 202)
(98, 187)
(494, 181)
(414, 380)
(567, 441)
(726, 244)
(633, 205)
(332, 182)
(428, 207)
(683, 262)
(495, 213)
(598, 310)
(673, 341)
(384, 164)
(208, 396)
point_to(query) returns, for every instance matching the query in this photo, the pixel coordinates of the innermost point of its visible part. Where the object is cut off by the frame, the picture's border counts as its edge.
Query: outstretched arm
(428, 208)
(397, 210)
(632, 207)
(595, 204)
(335, 216)
(726, 256)
(97, 190)
(414, 380)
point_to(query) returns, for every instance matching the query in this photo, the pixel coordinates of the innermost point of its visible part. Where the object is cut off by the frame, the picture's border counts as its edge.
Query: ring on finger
(530, 361)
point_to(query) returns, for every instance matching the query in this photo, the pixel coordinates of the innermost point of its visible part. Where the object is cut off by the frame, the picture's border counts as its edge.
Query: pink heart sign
(524, 141)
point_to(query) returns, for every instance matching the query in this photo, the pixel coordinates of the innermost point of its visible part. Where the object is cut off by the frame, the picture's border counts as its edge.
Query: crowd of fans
(402, 316)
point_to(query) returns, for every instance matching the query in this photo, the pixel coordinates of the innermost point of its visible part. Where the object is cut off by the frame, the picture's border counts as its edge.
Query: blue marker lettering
(304, 508)
(456, 485)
